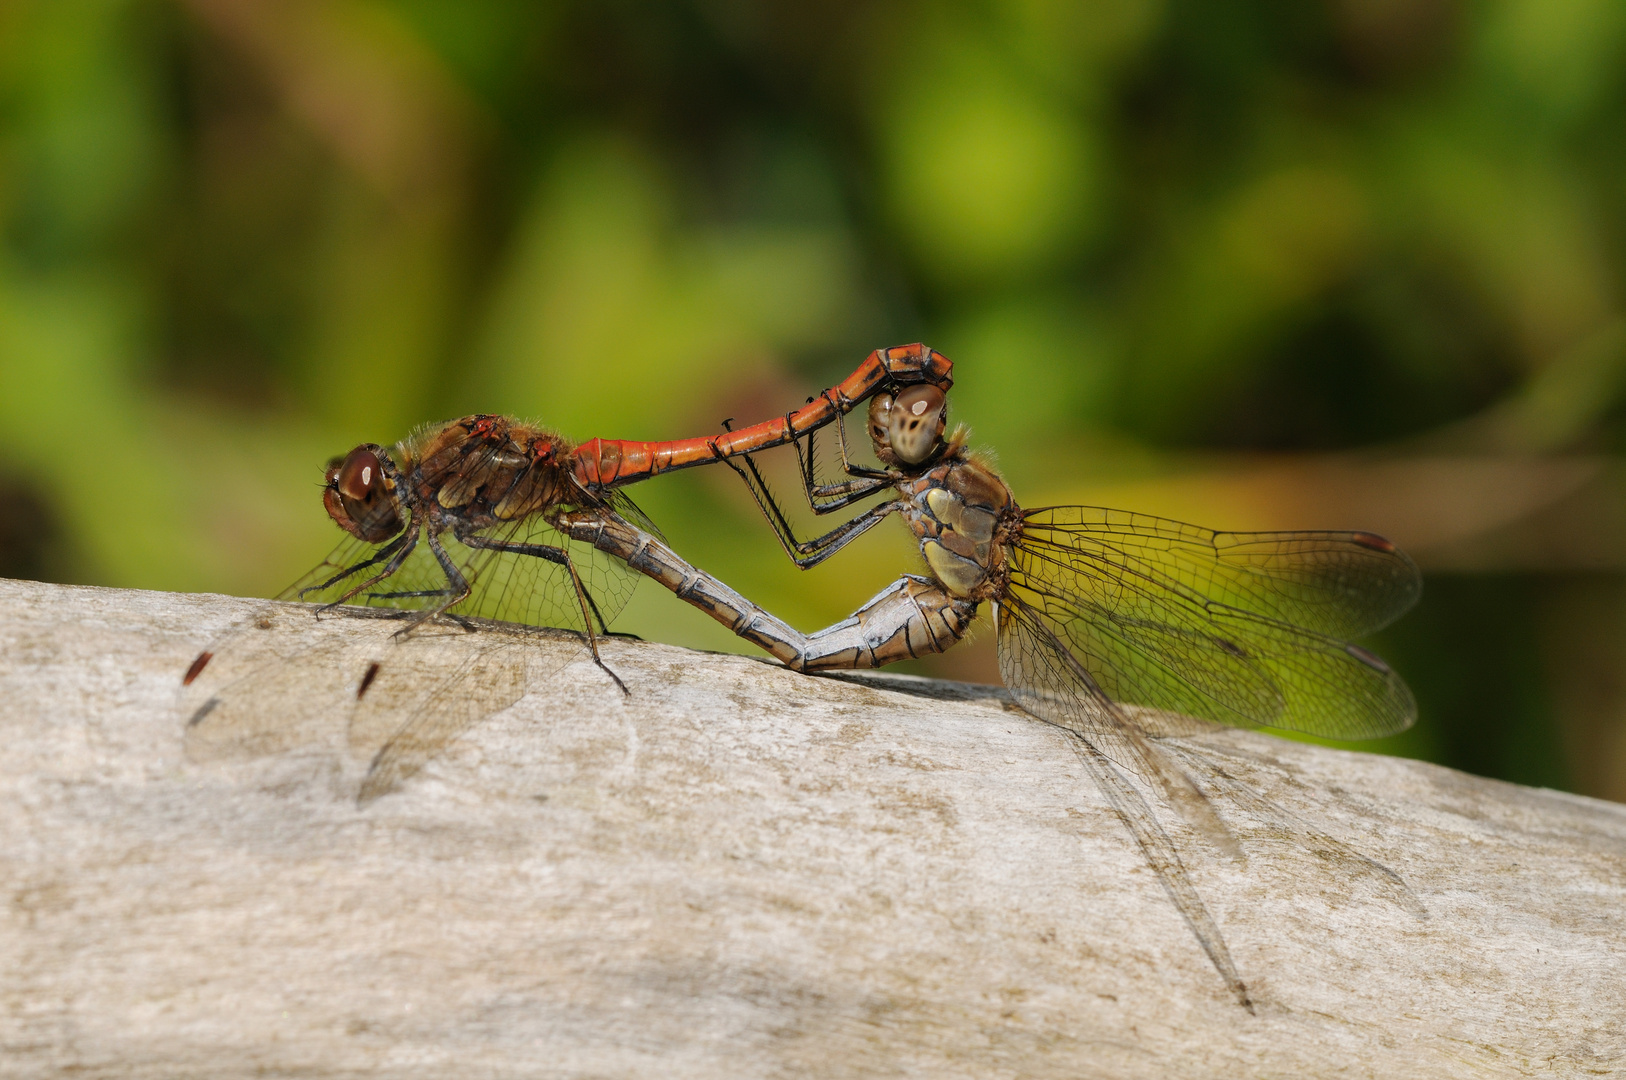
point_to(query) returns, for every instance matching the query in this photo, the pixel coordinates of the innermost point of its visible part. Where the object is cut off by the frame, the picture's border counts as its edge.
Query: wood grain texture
(741, 871)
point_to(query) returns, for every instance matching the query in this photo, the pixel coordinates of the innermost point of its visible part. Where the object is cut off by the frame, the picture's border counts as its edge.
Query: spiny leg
(850, 469)
(541, 551)
(810, 553)
(822, 498)
(408, 540)
(457, 588)
(377, 557)
(828, 498)
(825, 498)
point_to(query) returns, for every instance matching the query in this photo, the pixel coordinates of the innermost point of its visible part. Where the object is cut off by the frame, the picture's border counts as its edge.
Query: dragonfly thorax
(484, 469)
(467, 474)
(965, 518)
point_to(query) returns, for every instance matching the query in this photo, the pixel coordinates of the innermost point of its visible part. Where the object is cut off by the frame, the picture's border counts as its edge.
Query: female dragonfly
(1095, 610)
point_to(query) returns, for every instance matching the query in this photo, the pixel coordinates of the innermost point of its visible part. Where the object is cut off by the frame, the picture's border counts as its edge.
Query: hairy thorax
(965, 518)
(482, 470)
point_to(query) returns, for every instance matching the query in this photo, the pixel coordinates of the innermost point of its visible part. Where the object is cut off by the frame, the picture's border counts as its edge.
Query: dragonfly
(451, 530)
(1105, 620)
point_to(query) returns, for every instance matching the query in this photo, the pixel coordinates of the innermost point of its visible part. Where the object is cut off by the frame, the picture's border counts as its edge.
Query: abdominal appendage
(913, 616)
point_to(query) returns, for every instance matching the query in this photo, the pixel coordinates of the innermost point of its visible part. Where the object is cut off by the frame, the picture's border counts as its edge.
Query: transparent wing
(1283, 824)
(1342, 584)
(440, 682)
(1049, 682)
(619, 503)
(1046, 679)
(513, 585)
(1241, 628)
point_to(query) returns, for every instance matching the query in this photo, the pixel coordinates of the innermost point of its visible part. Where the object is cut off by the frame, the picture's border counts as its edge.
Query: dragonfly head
(360, 494)
(907, 428)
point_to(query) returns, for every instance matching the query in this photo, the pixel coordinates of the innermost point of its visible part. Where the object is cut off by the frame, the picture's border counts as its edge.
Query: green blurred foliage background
(1265, 264)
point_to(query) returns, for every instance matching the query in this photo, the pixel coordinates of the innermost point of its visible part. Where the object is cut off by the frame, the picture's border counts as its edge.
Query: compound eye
(359, 476)
(915, 424)
(880, 414)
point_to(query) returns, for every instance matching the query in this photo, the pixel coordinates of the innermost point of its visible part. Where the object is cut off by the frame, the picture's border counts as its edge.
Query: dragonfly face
(908, 429)
(361, 497)
(961, 511)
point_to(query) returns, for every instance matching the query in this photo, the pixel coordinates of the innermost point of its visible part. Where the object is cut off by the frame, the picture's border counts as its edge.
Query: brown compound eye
(915, 423)
(880, 415)
(359, 498)
(360, 474)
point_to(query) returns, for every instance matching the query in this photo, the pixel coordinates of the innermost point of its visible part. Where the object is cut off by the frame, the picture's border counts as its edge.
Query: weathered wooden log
(741, 871)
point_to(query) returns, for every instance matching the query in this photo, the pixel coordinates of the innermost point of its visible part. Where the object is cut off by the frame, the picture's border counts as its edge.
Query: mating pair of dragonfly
(1108, 623)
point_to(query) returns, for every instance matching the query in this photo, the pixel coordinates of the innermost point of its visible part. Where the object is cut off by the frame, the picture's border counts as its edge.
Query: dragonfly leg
(401, 547)
(377, 557)
(827, 498)
(551, 554)
(457, 586)
(810, 553)
(456, 591)
(911, 617)
(847, 466)
(589, 608)
(822, 498)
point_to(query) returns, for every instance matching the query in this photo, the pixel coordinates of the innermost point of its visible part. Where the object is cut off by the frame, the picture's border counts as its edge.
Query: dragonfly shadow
(352, 686)
(919, 687)
(1170, 731)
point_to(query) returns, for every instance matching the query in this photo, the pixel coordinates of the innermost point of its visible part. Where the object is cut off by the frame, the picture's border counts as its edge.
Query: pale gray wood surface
(743, 872)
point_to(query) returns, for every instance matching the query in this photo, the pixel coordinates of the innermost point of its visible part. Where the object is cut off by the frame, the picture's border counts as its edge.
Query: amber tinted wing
(1245, 629)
